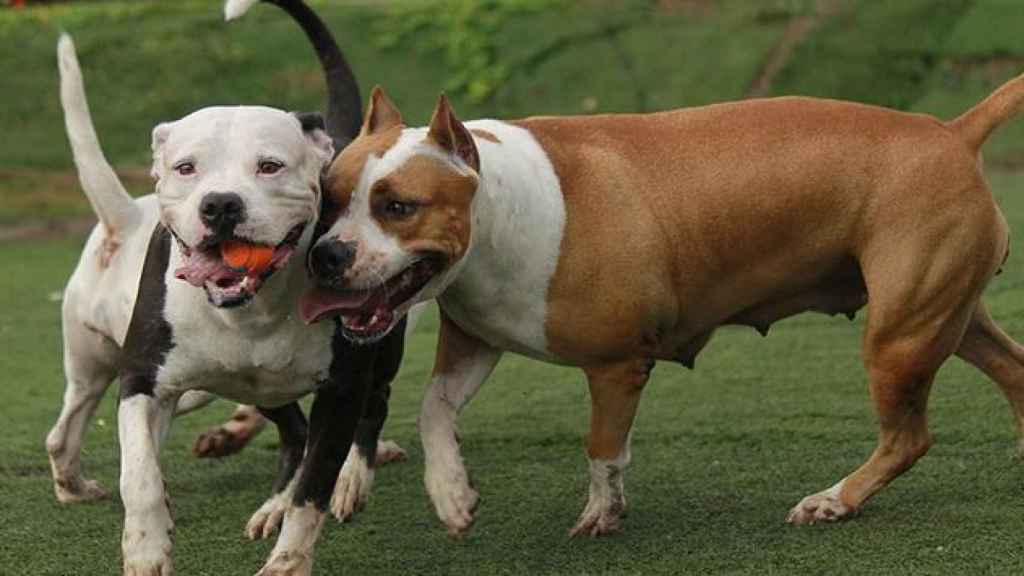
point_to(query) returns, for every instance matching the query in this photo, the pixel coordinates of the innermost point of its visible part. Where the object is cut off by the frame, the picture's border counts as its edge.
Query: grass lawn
(720, 454)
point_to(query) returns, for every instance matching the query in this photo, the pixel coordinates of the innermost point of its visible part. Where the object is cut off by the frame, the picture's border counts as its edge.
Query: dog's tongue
(317, 302)
(200, 267)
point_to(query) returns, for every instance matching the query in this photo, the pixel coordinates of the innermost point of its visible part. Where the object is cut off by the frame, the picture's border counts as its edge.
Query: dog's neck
(516, 177)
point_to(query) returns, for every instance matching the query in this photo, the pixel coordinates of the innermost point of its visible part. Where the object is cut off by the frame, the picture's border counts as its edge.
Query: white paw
(601, 516)
(147, 551)
(265, 521)
(352, 489)
(75, 490)
(389, 451)
(454, 499)
(824, 506)
(287, 564)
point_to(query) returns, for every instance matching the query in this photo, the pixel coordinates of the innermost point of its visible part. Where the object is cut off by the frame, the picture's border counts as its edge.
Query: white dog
(153, 302)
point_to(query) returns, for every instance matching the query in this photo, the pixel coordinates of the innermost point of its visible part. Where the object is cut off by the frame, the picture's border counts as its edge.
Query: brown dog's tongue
(317, 302)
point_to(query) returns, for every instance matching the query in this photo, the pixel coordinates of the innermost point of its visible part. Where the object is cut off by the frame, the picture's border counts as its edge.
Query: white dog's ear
(160, 134)
(313, 127)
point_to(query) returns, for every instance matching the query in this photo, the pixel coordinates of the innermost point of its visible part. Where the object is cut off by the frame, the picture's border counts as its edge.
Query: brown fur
(749, 212)
(445, 227)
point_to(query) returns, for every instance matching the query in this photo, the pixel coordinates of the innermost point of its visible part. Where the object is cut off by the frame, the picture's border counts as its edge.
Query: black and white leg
(333, 419)
(368, 452)
(144, 417)
(292, 428)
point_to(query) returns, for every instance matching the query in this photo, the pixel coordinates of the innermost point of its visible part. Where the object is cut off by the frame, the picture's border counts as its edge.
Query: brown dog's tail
(975, 125)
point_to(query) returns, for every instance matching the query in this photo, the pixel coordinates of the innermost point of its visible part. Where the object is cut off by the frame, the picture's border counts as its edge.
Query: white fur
(264, 522)
(225, 145)
(352, 489)
(146, 542)
(237, 8)
(825, 506)
(500, 293)
(607, 499)
(105, 192)
(498, 290)
(293, 552)
(260, 353)
(445, 476)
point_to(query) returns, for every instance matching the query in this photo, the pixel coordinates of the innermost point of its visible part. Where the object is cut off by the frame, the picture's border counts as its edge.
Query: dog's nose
(329, 259)
(221, 211)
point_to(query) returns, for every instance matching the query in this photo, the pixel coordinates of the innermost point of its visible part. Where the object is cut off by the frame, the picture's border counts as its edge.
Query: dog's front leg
(335, 413)
(367, 453)
(143, 418)
(292, 429)
(614, 397)
(462, 364)
(146, 542)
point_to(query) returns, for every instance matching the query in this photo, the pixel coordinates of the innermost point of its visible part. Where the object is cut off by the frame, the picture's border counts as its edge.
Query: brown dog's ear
(381, 113)
(451, 135)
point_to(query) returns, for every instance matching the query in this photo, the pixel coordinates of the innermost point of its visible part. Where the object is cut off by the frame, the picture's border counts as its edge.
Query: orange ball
(252, 258)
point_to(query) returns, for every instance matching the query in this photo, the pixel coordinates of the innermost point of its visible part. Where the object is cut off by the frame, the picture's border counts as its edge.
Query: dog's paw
(824, 506)
(219, 442)
(601, 516)
(352, 489)
(265, 521)
(454, 499)
(147, 552)
(287, 564)
(389, 451)
(161, 567)
(76, 490)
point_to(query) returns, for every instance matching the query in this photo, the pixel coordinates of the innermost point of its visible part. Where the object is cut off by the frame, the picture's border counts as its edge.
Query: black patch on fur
(389, 358)
(310, 121)
(291, 428)
(149, 337)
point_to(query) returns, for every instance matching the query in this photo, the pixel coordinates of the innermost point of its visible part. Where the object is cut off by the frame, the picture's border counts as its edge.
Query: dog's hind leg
(89, 366)
(922, 293)
(991, 350)
(292, 429)
(614, 397)
(231, 437)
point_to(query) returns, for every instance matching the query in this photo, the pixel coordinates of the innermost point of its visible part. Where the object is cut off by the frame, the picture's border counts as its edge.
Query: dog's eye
(185, 168)
(399, 209)
(269, 167)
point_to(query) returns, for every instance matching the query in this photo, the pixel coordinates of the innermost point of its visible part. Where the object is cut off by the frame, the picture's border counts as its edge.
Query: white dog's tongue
(201, 267)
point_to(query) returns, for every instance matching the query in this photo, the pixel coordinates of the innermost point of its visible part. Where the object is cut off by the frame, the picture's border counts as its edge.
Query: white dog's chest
(268, 366)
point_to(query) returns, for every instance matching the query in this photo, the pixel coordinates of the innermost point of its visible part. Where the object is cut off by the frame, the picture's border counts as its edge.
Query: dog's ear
(313, 127)
(381, 113)
(451, 135)
(160, 134)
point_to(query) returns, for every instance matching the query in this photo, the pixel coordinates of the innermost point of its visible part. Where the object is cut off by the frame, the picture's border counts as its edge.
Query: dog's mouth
(369, 314)
(229, 281)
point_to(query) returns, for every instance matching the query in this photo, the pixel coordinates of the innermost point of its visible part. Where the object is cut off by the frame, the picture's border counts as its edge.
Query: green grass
(720, 454)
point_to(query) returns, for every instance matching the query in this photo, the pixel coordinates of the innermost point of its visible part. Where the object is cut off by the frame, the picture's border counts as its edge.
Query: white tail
(236, 8)
(112, 204)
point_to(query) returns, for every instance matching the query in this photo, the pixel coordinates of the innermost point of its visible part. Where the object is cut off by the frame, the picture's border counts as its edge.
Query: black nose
(330, 258)
(221, 211)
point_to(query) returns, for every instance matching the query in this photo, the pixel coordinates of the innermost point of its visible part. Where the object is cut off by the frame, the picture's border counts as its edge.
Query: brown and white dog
(611, 242)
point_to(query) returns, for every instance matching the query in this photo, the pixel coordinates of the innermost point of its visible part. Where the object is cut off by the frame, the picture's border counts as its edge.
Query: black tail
(344, 115)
